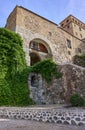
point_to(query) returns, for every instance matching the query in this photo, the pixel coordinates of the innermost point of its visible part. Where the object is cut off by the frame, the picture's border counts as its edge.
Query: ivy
(47, 68)
(13, 70)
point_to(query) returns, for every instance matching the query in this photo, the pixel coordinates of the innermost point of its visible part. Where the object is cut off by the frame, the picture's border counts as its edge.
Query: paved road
(8, 124)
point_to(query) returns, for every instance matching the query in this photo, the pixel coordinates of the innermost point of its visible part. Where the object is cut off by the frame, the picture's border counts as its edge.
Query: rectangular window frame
(69, 44)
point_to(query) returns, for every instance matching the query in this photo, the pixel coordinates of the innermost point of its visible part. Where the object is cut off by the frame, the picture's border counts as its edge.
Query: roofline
(73, 17)
(47, 20)
(37, 15)
(71, 34)
(10, 14)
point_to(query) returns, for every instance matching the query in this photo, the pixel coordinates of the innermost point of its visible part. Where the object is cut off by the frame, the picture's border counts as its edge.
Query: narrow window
(79, 50)
(50, 34)
(69, 43)
(68, 26)
(62, 25)
(67, 21)
(69, 52)
(76, 33)
(80, 28)
(81, 35)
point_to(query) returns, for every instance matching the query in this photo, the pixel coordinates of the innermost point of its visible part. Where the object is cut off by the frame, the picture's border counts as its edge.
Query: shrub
(77, 100)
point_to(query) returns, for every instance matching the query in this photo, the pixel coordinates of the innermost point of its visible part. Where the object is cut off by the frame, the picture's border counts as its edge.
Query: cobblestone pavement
(8, 124)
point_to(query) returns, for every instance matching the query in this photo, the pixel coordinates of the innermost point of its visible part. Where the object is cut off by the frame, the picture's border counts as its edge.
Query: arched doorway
(39, 50)
(34, 58)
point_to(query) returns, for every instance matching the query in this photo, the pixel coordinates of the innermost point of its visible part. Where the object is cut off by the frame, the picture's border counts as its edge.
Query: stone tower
(74, 26)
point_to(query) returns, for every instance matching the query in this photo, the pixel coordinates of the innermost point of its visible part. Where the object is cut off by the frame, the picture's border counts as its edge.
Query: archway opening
(34, 58)
(38, 51)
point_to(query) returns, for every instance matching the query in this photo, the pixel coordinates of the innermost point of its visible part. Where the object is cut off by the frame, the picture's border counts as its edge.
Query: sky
(54, 10)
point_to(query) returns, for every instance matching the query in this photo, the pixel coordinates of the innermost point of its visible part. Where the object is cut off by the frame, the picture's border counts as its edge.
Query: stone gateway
(45, 39)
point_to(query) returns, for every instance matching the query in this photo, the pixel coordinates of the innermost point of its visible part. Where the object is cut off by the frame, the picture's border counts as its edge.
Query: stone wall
(43, 92)
(32, 26)
(37, 88)
(51, 115)
(59, 90)
(11, 21)
(79, 60)
(73, 79)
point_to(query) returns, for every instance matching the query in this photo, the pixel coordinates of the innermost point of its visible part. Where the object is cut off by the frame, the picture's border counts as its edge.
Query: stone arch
(34, 58)
(39, 50)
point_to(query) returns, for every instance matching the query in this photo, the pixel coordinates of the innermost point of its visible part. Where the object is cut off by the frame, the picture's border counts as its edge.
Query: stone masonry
(45, 39)
(58, 90)
(32, 26)
(73, 80)
(51, 115)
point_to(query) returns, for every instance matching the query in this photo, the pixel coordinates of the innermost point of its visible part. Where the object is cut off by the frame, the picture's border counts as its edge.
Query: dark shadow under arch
(34, 58)
(39, 50)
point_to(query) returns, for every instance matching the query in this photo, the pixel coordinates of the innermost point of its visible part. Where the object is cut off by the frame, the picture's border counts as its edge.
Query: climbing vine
(47, 68)
(13, 70)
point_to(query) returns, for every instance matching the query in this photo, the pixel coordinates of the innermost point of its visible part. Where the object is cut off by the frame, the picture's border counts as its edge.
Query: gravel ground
(8, 124)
